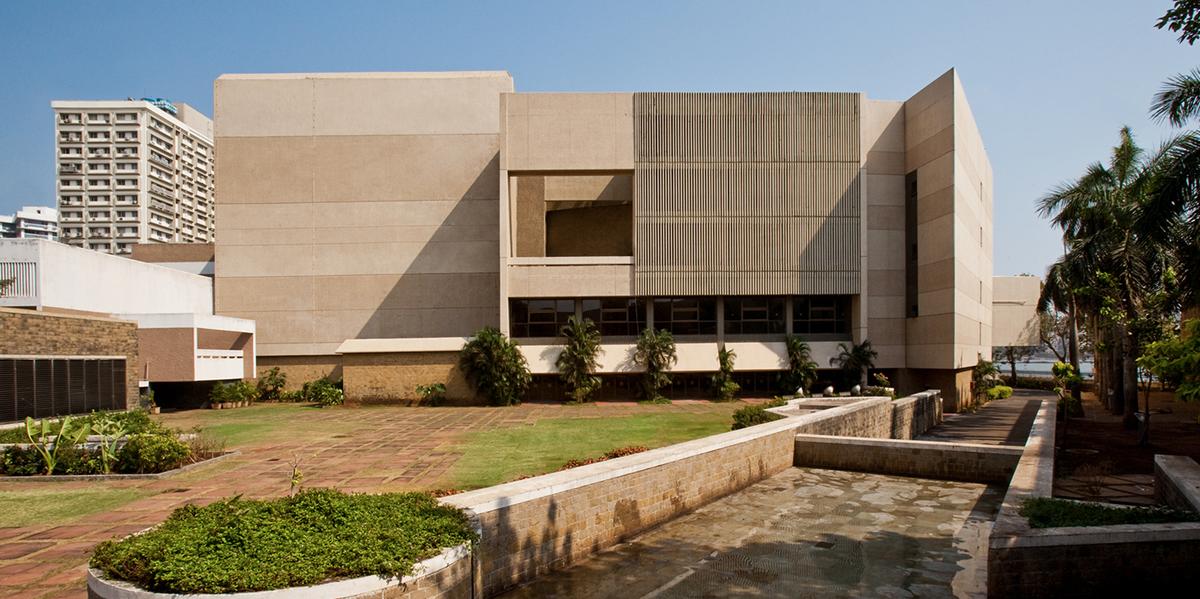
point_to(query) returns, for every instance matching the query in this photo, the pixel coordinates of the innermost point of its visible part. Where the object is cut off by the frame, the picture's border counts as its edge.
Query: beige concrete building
(132, 171)
(371, 222)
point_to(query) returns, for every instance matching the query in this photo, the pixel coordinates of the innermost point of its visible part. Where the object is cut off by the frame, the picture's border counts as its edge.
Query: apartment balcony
(100, 234)
(70, 139)
(127, 139)
(70, 218)
(127, 186)
(69, 121)
(161, 190)
(162, 207)
(99, 217)
(128, 234)
(99, 139)
(69, 169)
(127, 219)
(70, 185)
(163, 161)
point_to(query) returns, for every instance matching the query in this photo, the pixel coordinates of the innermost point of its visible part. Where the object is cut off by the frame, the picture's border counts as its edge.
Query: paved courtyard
(803, 533)
(368, 449)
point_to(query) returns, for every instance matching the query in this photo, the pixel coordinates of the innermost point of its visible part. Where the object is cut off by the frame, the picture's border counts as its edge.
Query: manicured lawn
(497, 456)
(258, 423)
(57, 505)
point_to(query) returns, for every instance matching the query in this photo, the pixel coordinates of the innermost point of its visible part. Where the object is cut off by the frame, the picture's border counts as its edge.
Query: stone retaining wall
(924, 459)
(1177, 482)
(545, 523)
(912, 416)
(1147, 559)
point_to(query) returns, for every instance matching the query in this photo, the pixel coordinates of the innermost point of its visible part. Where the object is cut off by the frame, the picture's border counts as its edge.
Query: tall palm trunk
(1129, 376)
(1072, 349)
(1116, 389)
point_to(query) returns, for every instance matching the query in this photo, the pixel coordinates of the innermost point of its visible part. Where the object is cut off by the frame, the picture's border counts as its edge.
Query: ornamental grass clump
(316, 536)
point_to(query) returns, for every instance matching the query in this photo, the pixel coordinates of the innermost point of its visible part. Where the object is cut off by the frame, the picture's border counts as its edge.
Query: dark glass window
(755, 316)
(539, 317)
(821, 316)
(686, 315)
(616, 317)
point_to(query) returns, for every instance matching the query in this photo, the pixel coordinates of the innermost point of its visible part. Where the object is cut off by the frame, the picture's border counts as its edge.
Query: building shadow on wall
(425, 285)
(830, 252)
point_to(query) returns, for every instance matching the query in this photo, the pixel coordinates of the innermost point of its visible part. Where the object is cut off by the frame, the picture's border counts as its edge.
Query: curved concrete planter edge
(103, 588)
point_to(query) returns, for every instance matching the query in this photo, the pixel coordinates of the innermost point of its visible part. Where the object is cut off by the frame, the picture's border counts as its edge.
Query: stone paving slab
(802, 533)
(400, 448)
(998, 422)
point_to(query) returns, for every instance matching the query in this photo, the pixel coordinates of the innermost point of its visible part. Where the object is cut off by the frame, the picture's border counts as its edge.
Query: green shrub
(295, 395)
(752, 415)
(313, 537)
(775, 402)
(270, 384)
(76, 460)
(998, 392)
(724, 387)
(495, 366)
(18, 461)
(148, 454)
(323, 393)
(577, 363)
(879, 391)
(433, 394)
(233, 392)
(1031, 382)
(1045, 512)
(655, 352)
(133, 421)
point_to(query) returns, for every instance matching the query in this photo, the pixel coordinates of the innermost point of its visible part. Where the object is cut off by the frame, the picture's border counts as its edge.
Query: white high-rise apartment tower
(132, 171)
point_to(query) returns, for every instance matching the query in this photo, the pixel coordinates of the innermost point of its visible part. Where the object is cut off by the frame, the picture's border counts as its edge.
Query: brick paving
(387, 449)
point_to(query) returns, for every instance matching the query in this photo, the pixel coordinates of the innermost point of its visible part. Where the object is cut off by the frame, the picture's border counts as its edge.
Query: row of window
(815, 317)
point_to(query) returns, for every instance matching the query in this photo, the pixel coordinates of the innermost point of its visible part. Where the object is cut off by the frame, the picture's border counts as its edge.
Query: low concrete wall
(1148, 559)
(448, 575)
(912, 416)
(925, 459)
(548, 522)
(1177, 482)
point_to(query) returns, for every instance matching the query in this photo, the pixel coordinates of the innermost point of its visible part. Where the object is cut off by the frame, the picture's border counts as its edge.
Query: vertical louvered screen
(75, 388)
(62, 387)
(91, 385)
(120, 396)
(747, 193)
(43, 388)
(105, 386)
(48, 387)
(8, 390)
(24, 388)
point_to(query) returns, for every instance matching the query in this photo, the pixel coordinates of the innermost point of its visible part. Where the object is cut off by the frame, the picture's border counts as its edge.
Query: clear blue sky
(1050, 83)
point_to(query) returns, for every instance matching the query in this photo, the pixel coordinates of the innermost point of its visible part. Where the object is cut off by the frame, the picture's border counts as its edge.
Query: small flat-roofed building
(71, 303)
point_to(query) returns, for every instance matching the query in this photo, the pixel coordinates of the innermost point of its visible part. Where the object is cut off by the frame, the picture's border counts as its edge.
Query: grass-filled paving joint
(316, 536)
(1044, 512)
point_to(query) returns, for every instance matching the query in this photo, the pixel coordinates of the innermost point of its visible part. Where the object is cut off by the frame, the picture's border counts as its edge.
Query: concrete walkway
(999, 422)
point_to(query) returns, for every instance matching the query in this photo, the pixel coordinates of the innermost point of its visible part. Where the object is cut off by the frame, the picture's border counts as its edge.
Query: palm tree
(855, 360)
(1179, 99)
(1058, 294)
(577, 364)
(802, 371)
(1116, 262)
